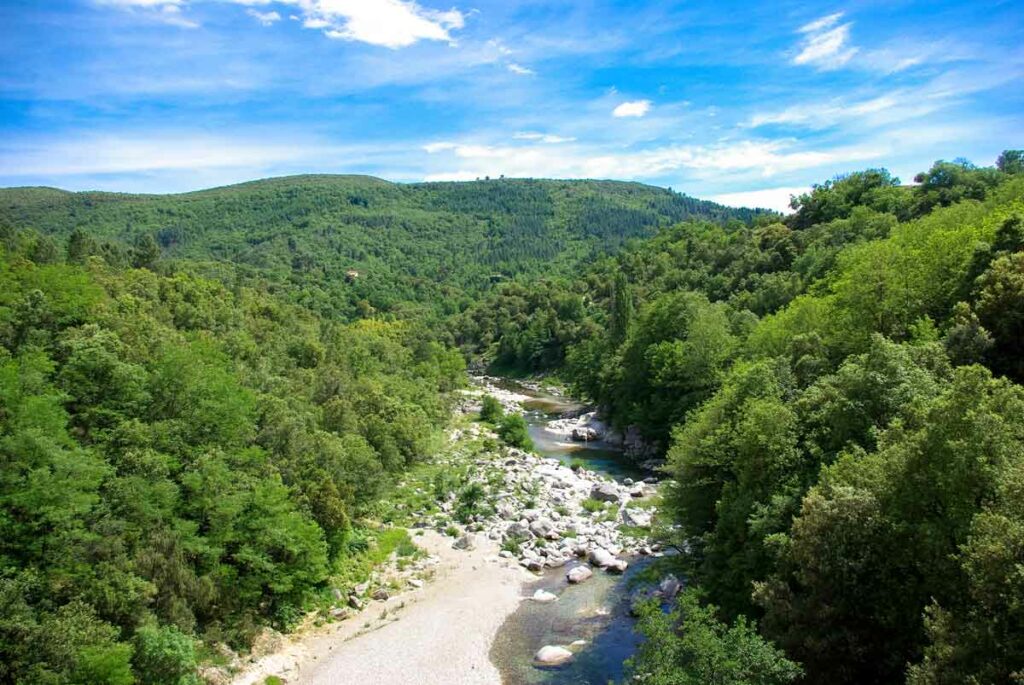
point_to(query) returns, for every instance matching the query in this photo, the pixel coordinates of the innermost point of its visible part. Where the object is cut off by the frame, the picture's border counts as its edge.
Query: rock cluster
(534, 507)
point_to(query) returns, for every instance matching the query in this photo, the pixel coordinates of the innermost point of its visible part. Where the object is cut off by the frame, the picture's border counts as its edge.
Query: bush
(513, 430)
(164, 656)
(491, 410)
(690, 646)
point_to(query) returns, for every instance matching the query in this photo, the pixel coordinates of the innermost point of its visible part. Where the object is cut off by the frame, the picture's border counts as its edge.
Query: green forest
(203, 398)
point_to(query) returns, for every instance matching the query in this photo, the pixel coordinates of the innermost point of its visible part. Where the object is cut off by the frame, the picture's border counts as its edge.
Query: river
(596, 611)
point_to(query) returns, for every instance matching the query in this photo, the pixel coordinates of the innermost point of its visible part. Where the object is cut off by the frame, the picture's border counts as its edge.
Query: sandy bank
(441, 633)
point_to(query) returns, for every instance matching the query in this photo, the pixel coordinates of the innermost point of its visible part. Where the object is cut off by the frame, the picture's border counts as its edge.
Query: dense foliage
(179, 458)
(351, 246)
(837, 393)
(198, 402)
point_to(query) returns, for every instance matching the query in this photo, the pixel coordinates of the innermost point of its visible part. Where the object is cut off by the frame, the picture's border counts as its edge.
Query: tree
(621, 309)
(514, 431)
(690, 646)
(145, 251)
(491, 409)
(1011, 162)
(164, 656)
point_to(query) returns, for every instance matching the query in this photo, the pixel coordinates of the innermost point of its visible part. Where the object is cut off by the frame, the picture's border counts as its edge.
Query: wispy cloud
(162, 11)
(634, 108)
(766, 198)
(766, 158)
(520, 69)
(542, 137)
(825, 44)
(265, 18)
(388, 23)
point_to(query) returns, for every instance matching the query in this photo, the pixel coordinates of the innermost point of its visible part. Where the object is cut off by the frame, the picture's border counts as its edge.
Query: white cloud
(113, 154)
(163, 11)
(764, 158)
(825, 44)
(542, 137)
(519, 69)
(634, 108)
(825, 22)
(265, 18)
(768, 198)
(389, 23)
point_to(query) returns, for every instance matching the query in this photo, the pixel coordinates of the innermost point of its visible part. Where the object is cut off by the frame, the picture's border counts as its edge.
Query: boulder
(584, 434)
(544, 596)
(601, 558)
(578, 574)
(552, 655)
(466, 542)
(355, 602)
(267, 642)
(381, 594)
(542, 528)
(639, 518)
(669, 587)
(605, 492)
(518, 530)
(617, 566)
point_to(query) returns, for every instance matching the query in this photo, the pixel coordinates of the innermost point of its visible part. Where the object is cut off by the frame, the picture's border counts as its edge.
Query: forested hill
(425, 245)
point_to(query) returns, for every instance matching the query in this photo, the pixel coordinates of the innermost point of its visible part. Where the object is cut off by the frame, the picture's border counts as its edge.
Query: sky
(740, 102)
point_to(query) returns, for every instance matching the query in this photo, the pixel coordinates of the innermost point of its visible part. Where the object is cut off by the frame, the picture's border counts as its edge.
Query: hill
(348, 245)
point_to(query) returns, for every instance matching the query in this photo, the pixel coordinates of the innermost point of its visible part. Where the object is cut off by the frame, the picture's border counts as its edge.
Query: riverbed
(596, 611)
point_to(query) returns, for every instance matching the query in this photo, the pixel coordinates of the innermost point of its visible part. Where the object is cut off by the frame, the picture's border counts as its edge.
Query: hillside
(426, 244)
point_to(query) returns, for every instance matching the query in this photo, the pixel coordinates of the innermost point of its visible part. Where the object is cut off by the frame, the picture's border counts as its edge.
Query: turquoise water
(597, 456)
(597, 610)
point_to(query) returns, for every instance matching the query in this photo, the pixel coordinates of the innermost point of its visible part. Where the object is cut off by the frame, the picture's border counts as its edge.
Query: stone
(605, 492)
(355, 602)
(669, 587)
(556, 561)
(601, 557)
(416, 583)
(578, 574)
(617, 566)
(466, 542)
(339, 613)
(544, 596)
(519, 531)
(542, 528)
(639, 518)
(267, 642)
(381, 594)
(584, 434)
(214, 675)
(552, 655)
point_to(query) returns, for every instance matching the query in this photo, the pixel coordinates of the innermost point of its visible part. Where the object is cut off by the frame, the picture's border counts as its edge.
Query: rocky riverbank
(545, 514)
(490, 518)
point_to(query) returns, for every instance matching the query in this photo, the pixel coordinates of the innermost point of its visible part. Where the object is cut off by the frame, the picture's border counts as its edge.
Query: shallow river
(597, 610)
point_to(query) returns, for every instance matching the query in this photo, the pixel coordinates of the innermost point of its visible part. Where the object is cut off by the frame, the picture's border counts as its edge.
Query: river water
(596, 611)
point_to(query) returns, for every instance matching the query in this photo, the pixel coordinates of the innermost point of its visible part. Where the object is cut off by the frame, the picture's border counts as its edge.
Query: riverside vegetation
(204, 399)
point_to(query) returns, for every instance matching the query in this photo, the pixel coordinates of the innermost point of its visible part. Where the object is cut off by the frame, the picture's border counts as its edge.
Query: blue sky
(744, 102)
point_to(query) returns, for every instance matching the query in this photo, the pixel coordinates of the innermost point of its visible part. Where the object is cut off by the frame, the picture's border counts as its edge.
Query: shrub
(164, 656)
(514, 431)
(491, 410)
